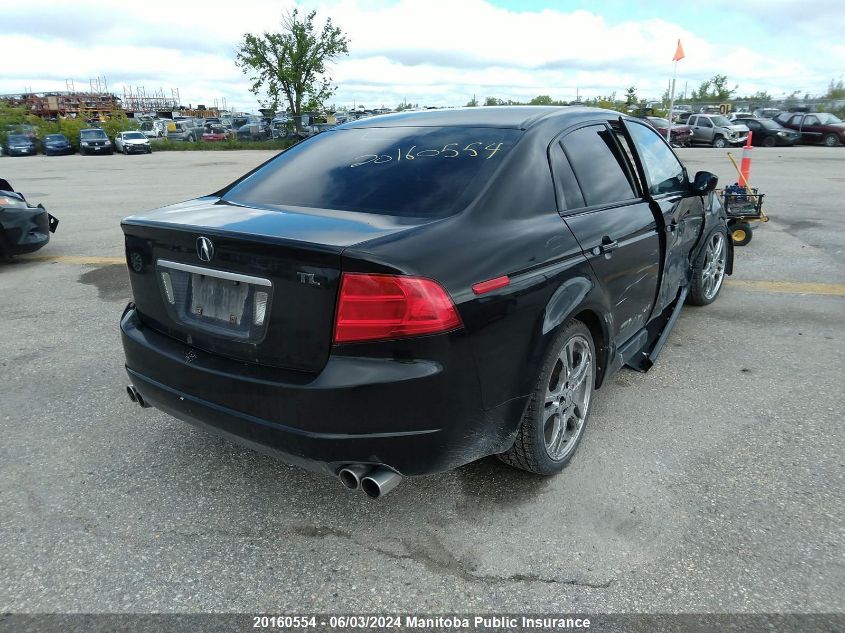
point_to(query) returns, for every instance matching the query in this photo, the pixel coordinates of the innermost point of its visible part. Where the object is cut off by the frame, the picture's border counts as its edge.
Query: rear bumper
(414, 416)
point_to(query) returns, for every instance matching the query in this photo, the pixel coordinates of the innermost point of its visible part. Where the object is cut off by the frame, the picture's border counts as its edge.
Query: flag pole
(672, 103)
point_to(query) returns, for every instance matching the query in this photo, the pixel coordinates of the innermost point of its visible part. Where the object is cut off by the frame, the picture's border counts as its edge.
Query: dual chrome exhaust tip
(136, 397)
(374, 481)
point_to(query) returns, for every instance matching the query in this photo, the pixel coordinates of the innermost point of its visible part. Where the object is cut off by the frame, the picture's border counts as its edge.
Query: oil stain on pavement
(112, 282)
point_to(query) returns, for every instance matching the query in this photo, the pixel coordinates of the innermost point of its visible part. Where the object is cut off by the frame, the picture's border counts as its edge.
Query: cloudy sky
(432, 52)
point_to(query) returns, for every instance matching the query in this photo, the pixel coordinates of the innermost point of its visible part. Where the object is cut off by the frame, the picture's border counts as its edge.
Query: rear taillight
(377, 307)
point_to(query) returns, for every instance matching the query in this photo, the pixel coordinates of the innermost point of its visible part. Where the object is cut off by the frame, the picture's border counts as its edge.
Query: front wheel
(769, 141)
(709, 269)
(831, 140)
(720, 142)
(557, 412)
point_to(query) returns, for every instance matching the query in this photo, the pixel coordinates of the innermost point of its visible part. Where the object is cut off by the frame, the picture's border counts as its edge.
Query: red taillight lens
(374, 307)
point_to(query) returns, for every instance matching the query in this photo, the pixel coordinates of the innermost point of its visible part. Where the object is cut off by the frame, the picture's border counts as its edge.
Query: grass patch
(209, 146)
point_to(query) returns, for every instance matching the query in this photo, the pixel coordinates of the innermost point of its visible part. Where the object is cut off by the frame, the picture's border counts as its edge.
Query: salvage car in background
(214, 133)
(716, 130)
(57, 144)
(442, 286)
(132, 143)
(23, 228)
(19, 145)
(815, 127)
(769, 133)
(681, 134)
(94, 141)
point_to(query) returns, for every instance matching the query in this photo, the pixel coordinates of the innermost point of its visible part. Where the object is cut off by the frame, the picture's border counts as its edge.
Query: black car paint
(426, 404)
(761, 133)
(23, 229)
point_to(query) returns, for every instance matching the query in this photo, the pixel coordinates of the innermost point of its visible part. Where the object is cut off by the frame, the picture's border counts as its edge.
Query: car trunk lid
(257, 285)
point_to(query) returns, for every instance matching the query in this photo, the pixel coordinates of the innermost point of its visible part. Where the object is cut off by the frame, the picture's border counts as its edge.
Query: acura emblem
(205, 249)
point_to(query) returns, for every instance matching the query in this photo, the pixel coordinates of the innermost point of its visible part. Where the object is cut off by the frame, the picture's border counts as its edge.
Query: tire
(708, 273)
(720, 142)
(769, 141)
(831, 140)
(556, 417)
(741, 234)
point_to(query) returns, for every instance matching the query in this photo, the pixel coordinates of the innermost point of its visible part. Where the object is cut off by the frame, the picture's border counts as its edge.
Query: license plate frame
(218, 302)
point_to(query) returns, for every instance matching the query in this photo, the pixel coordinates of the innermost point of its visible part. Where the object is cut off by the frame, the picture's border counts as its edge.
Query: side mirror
(704, 182)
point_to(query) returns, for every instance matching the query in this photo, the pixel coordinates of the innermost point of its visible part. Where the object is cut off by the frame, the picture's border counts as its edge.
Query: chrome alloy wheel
(568, 398)
(713, 271)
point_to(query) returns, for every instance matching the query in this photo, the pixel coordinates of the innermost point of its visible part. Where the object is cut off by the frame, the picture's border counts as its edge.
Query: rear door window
(598, 164)
(404, 171)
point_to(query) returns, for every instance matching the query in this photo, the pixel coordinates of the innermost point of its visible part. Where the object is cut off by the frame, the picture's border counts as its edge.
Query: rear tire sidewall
(532, 429)
(831, 140)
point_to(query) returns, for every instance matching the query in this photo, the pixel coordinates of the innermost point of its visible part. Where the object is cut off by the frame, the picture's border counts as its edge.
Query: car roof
(515, 117)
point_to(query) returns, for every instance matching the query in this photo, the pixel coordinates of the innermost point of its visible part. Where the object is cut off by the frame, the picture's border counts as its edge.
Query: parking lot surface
(712, 483)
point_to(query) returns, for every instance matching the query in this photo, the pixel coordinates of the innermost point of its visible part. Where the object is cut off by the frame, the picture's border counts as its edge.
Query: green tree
(836, 90)
(472, 103)
(631, 96)
(493, 101)
(541, 100)
(118, 122)
(714, 89)
(291, 64)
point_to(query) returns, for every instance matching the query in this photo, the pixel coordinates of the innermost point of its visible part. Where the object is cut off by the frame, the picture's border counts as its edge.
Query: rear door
(680, 213)
(600, 200)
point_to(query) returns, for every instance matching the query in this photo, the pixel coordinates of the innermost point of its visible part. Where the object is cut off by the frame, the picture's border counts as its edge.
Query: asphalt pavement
(713, 483)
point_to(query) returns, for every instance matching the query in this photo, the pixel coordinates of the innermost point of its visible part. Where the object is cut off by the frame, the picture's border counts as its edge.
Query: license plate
(218, 299)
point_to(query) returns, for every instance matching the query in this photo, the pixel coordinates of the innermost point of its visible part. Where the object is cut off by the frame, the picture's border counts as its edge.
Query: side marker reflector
(492, 284)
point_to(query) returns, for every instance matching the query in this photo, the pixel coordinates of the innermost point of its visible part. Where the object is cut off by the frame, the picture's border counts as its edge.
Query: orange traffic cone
(745, 165)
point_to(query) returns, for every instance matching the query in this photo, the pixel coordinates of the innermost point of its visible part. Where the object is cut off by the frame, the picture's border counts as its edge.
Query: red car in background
(214, 133)
(681, 134)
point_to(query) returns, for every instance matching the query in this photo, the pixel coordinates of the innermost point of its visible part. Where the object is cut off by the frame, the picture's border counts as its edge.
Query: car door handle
(608, 245)
(672, 227)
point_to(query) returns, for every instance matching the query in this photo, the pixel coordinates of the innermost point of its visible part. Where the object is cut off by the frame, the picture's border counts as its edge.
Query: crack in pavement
(437, 559)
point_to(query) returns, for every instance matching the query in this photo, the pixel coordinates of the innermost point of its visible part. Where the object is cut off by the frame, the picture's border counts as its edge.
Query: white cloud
(432, 52)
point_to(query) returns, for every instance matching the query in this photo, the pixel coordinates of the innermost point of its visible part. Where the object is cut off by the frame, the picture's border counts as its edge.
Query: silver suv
(716, 130)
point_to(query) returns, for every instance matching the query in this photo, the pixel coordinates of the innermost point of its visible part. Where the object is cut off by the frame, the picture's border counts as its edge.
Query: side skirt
(642, 351)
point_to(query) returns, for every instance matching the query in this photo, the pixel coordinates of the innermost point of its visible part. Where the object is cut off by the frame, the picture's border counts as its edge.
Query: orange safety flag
(679, 53)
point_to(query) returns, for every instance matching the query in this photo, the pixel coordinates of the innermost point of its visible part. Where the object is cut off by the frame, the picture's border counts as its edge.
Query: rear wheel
(557, 413)
(831, 140)
(709, 270)
(720, 142)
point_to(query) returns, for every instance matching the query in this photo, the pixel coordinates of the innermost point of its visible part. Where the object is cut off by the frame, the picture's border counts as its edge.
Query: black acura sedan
(405, 294)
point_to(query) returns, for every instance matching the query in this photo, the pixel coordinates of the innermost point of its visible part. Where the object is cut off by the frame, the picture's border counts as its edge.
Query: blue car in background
(56, 144)
(19, 145)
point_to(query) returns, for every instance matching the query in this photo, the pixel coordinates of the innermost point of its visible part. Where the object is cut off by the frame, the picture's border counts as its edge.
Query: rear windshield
(92, 134)
(18, 138)
(403, 171)
(55, 137)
